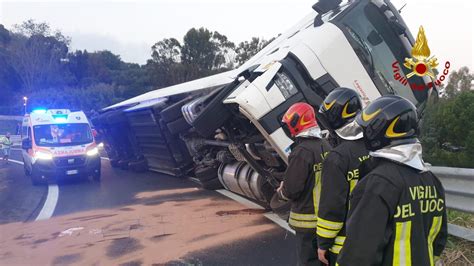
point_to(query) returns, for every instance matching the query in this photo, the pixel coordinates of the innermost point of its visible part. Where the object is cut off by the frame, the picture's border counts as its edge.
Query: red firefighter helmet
(300, 116)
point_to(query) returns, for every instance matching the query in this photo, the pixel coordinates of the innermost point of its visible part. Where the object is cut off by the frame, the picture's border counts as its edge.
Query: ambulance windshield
(57, 135)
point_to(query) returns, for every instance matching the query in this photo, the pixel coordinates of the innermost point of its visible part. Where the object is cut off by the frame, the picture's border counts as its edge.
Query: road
(132, 219)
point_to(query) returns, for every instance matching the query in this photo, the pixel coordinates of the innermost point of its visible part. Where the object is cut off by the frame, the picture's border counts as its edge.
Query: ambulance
(58, 144)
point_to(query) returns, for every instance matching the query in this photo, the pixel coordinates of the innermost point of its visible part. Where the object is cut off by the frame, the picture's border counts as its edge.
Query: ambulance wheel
(97, 176)
(25, 168)
(36, 180)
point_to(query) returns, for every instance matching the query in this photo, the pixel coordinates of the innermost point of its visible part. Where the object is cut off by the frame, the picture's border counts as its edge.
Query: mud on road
(143, 219)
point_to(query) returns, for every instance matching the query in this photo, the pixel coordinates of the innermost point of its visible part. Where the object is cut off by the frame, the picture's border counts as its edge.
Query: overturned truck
(225, 130)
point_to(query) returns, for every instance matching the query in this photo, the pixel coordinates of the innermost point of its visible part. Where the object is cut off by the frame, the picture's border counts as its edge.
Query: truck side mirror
(26, 144)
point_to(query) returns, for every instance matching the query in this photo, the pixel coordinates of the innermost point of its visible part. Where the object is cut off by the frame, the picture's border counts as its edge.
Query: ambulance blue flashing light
(39, 111)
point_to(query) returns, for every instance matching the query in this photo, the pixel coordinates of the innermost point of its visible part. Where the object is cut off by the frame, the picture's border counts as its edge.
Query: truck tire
(212, 184)
(123, 164)
(138, 166)
(173, 111)
(178, 126)
(114, 163)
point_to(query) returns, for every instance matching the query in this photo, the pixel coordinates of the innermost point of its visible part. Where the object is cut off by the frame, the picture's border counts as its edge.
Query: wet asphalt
(20, 201)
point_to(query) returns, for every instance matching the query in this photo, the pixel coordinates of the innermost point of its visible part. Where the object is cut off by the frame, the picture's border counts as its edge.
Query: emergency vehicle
(226, 129)
(58, 144)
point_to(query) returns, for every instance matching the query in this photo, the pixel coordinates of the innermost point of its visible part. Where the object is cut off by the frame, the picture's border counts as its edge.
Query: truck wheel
(123, 164)
(173, 111)
(114, 163)
(212, 184)
(178, 126)
(138, 166)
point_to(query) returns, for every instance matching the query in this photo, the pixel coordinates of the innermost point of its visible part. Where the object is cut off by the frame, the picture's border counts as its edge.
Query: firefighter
(398, 213)
(341, 169)
(301, 183)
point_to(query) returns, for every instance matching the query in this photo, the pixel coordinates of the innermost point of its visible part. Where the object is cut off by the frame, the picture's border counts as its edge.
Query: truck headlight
(92, 152)
(285, 85)
(41, 155)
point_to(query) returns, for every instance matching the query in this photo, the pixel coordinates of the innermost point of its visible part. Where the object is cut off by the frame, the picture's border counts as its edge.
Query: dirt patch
(241, 212)
(123, 246)
(159, 237)
(39, 241)
(67, 259)
(144, 234)
(132, 263)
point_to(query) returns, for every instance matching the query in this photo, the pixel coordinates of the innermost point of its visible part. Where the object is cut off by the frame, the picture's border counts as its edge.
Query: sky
(130, 28)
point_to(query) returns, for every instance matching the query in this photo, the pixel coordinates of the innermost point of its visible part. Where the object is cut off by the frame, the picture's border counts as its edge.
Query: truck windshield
(57, 135)
(380, 50)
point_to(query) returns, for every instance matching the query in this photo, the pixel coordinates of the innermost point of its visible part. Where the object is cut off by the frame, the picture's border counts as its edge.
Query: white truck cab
(58, 143)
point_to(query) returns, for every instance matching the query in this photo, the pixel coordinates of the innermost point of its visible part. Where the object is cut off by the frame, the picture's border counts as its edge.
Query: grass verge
(459, 251)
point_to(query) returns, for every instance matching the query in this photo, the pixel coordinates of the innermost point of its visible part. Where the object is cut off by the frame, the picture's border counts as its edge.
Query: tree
(205, 49)
(166, 51)
(459, 81)
(245, 50)
(4, 36)
(36, 55)
(448, 128)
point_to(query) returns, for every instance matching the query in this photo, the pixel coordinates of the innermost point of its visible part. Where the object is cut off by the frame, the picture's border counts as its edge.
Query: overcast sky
(129, 28)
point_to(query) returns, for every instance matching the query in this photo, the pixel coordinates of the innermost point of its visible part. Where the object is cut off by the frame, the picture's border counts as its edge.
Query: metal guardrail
(458, 184)
(16, 139)
(11, 117)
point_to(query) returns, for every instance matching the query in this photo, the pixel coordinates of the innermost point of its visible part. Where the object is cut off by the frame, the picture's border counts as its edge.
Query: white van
(58, 144)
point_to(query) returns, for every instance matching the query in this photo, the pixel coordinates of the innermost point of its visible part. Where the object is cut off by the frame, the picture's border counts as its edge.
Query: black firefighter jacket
(302, 181)
(397, 217)
(342, 169)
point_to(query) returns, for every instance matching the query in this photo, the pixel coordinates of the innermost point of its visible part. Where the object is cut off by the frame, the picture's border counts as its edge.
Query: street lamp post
(25, 100)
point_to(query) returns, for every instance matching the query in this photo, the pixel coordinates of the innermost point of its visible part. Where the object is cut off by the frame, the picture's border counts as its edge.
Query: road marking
(249, 204)
(50, 202)
(15, 161)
